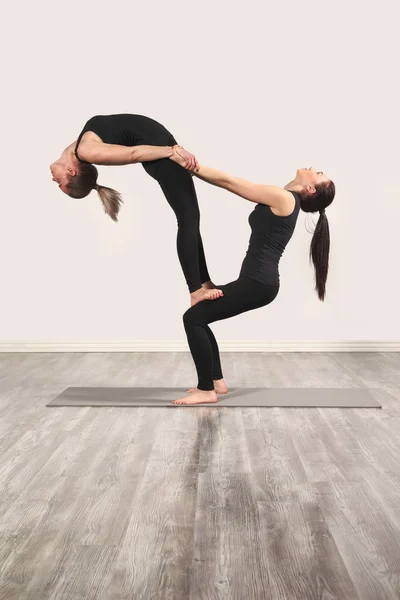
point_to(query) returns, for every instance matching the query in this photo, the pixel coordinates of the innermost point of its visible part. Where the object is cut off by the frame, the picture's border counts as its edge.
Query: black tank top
(126, 130)
(269, 237)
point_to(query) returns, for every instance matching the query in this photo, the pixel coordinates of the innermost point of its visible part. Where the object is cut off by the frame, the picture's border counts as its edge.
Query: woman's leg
(216, 362)
(178, 188)
(204, 274)
(219, 384)
(240, 296)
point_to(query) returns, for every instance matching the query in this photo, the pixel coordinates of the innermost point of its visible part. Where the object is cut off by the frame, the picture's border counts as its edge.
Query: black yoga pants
(240, 296)
(178, 187)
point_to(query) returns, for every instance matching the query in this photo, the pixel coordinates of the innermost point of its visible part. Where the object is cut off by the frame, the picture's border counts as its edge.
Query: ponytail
(320, 243)
(319, 254)
(85, 181)
(111, 200)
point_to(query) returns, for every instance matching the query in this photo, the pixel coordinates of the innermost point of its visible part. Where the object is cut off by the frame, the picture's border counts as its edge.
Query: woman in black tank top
(123, 139)
(272, 222)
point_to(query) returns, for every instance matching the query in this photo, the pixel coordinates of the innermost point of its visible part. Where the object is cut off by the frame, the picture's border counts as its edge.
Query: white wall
(256, 89)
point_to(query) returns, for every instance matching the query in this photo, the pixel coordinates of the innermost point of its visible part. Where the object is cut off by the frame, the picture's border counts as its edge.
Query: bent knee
(187, 317)
(190, 317)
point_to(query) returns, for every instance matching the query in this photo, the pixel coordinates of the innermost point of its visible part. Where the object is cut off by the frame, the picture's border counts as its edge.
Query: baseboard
(181, 346)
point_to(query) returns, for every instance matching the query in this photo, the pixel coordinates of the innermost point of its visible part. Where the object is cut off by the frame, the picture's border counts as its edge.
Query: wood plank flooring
(198, 503)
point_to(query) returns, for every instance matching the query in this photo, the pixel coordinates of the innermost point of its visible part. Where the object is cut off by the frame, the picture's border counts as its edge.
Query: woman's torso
(124, 130)
(269, 237)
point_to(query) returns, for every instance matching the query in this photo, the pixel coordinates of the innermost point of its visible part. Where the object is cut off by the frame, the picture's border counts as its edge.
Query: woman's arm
(272, 195)
(99, 153)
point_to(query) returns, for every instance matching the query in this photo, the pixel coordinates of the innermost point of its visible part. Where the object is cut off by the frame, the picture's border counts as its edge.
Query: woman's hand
(184, 158)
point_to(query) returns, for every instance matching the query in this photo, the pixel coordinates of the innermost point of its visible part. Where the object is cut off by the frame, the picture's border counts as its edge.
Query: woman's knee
(191, 317)
(188, 220)
(187, 317)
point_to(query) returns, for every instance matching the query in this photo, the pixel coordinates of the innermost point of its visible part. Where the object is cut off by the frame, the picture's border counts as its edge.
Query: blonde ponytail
(111, 200)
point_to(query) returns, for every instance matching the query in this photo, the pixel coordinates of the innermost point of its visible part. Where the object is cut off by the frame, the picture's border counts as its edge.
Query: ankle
(197, 292)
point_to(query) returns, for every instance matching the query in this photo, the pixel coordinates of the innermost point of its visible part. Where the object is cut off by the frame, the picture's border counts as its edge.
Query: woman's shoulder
(287, 205)
(90, 136)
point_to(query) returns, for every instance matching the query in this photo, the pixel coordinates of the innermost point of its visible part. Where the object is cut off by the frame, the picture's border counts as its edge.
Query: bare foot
(208, 285)
(205, 294)
(199, 397)
(219, 387)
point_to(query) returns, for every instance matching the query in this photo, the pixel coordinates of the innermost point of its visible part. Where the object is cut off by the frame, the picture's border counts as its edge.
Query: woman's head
(77, 180)
(309, 178)
(62, 171)
(316, 190)
(73, 178)
(316, 193)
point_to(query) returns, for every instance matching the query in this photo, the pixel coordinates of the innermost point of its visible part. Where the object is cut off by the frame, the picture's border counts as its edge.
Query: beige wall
(256, 89)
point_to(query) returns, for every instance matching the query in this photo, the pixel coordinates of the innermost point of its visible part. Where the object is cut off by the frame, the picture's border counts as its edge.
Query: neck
(293, 186)
(68, 157)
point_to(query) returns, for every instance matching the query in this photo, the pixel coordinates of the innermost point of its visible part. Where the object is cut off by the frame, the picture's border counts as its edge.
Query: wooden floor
(198, 503)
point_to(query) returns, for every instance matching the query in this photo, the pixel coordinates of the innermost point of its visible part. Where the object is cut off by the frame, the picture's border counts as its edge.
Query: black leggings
(239, 296)
(178, 187)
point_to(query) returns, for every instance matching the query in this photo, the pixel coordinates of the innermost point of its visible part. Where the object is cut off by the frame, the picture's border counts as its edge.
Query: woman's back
(127, 130)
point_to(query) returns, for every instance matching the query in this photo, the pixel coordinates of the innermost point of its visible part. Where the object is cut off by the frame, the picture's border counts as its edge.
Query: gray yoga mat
(245, 397)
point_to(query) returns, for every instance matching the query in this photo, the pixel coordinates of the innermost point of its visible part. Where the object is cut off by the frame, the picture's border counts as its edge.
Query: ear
(310, 189)
(72, 171)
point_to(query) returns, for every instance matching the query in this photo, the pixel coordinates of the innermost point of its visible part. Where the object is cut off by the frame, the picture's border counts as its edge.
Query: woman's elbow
(229, 184)
(135, 155)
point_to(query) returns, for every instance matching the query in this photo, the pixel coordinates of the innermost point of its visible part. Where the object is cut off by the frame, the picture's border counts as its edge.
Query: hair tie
(322, 211)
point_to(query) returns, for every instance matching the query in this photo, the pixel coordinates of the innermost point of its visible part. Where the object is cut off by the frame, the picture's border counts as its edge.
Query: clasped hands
(184, 158)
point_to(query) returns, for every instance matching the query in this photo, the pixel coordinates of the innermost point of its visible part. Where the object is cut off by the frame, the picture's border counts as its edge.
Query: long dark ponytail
(320, 243)
(85, 181)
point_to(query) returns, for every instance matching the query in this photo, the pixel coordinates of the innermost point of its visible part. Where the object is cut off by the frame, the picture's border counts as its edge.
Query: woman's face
(311, 177)
(61, 175)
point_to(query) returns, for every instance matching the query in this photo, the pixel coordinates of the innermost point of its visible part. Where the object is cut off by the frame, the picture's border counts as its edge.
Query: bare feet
(219, 387)
(205, 294)
(199, 397)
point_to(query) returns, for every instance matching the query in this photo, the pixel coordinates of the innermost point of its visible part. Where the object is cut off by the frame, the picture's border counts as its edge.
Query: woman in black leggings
(272, 222)
(124, 139)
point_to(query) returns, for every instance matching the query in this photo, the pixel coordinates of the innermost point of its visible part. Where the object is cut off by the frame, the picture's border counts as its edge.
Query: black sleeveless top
(269, 238)
(126, 130)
